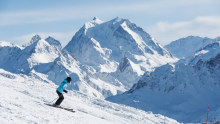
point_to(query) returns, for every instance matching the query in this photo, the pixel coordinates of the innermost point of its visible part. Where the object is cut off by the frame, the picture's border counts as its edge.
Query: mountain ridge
(181, 90)
(187, 46)
(93, 57)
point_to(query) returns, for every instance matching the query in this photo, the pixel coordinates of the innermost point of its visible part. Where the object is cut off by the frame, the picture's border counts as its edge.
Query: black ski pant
(60, 99)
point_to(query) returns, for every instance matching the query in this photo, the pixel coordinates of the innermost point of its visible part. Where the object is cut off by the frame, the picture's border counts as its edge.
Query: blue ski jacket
(62, 86)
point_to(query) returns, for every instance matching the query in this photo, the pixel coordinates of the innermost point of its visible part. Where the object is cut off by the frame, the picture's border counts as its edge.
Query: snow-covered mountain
(7, 52)
(186, 47)
(23, 98)
(23, 59)
(100, 57)
(103, 44)
(181, 91)
(115, 50)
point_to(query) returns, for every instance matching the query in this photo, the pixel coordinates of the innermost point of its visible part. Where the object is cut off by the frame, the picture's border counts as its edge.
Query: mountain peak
(35, 38)
(53, 41)
(117, 31)
(186, 47)
(97, 20)
(8, 44)
(92, 23)
(119, 20)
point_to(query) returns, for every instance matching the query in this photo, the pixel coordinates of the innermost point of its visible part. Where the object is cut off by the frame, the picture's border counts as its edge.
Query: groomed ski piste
(23, 98)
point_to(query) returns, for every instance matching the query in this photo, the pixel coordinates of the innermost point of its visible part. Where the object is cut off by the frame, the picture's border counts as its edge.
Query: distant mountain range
(182, 90)
(186, 47)
(104, 58)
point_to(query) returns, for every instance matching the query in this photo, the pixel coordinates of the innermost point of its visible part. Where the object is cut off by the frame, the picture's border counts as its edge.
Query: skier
(60, 90)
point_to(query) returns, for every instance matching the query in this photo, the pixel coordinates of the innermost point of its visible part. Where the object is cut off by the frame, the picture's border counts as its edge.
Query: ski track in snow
(22, 100)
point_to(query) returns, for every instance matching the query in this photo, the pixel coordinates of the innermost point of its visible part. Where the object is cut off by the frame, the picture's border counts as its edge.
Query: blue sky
(165, 20)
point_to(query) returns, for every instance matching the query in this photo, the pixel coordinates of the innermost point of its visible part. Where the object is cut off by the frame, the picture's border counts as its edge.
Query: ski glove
(65, 91)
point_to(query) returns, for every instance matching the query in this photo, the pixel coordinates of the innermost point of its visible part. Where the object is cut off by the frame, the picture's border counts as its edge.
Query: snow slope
(181, 91)
(22, 101)
(66, 65)
(186, 47)
(46, 57)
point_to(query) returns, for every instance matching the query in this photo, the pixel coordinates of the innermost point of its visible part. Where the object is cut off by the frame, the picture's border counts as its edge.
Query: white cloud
(150, 11)
(164, 33)
(158, 7)
(23, 17)
(64, 38)
(204, 26)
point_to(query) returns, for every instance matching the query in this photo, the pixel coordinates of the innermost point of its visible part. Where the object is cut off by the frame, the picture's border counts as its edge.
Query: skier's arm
(65, 91)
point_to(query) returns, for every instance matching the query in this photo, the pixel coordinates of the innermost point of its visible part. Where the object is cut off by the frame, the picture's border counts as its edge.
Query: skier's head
(69, 79)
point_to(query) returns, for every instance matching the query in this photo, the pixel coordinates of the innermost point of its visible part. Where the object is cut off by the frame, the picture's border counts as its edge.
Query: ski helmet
(69, 79)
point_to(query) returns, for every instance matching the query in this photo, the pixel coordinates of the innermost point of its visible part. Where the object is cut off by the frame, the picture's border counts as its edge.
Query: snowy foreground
(22, 100)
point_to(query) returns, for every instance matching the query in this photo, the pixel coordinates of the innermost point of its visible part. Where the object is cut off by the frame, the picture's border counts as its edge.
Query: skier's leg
(61, 97)
(59, 101)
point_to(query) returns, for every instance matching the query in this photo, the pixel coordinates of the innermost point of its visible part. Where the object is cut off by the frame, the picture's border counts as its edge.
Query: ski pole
(207, 114)
(54, 100)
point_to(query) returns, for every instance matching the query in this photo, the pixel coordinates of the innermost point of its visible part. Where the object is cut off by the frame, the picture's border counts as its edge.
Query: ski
(67, 109)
